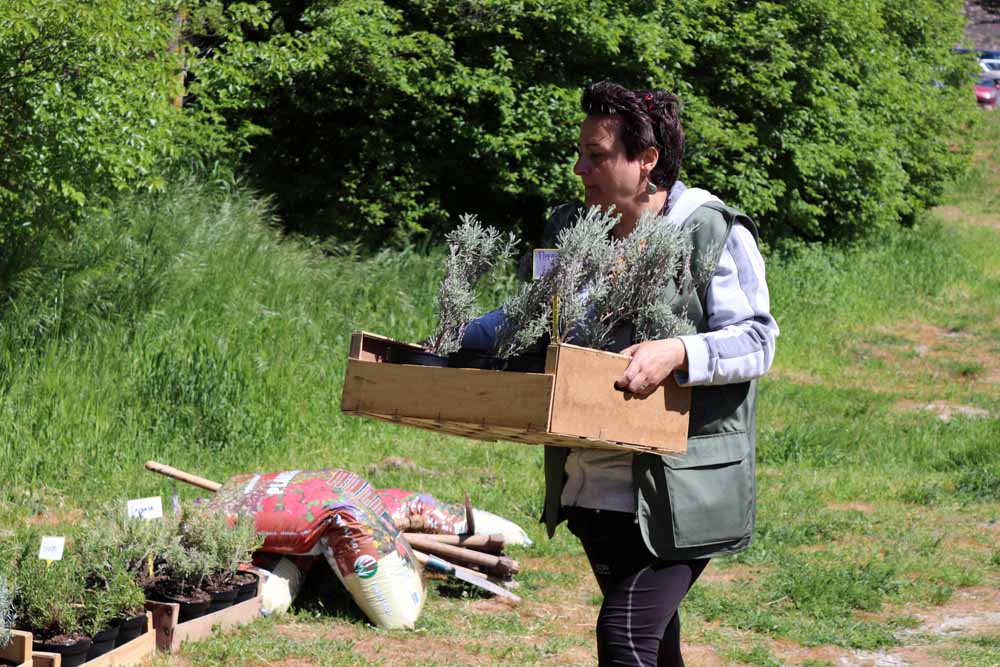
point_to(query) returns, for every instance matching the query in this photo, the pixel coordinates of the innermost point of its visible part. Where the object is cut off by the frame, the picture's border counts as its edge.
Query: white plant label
(52, 548)
(542, 260)
(146, 508)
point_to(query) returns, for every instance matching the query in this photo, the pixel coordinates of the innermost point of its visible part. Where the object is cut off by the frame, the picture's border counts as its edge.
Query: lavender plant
(650, 265)
(577, 275)
(600, 283)
(473, 252)
(6, 611)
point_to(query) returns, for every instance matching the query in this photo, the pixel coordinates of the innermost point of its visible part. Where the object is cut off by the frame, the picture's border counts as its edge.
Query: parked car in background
(990, 64)
(988, 90)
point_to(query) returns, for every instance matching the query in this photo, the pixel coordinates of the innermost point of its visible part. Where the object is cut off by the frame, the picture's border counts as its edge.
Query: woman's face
(609, 177)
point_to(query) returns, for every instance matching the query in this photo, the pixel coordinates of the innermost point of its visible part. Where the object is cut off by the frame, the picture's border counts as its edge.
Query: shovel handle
(182, 476)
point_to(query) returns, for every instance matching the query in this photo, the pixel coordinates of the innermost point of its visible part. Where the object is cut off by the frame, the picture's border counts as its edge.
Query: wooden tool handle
(500, 564)
(182, 476)
(493, 544)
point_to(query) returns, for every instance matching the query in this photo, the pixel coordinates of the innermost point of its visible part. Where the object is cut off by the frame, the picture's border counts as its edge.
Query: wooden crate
(18, 650)
(131, 654)
(170, 634)
(572, 404)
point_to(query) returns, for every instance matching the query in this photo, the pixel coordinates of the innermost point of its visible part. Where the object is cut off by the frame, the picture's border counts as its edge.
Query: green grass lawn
(184, 330)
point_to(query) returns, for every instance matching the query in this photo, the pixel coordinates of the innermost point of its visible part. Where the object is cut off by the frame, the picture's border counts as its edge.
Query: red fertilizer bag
(422, 512)
(338, 514)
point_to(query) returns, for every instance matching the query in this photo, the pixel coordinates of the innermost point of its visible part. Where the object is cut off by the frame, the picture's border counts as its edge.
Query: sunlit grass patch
(974, 652)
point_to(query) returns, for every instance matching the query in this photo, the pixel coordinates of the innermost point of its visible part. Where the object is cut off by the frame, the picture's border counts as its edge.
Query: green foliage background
(85, 113)
(379, 120)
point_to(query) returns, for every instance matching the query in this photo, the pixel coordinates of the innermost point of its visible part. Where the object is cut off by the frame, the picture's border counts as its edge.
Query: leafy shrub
(86, 90)
(382, 119)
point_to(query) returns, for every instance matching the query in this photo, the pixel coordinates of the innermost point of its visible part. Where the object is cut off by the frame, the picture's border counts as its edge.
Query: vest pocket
(711, 490)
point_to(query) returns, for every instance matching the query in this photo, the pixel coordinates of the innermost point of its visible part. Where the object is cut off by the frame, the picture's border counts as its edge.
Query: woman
(649, 524)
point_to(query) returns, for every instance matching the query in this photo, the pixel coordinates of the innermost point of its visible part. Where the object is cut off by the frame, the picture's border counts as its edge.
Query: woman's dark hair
(648, 118)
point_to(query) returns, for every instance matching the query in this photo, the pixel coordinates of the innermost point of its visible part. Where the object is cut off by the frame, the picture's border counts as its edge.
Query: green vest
(702, 503)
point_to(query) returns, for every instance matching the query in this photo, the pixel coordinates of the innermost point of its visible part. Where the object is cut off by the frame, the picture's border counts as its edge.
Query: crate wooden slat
(42, 659)
(18, 650)
(170, 634)
(572, 404)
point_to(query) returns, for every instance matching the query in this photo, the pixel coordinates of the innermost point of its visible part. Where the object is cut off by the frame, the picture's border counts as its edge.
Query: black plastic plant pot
(103, 642)
(191, 607)
(407, 355)
(248, 590)
(474, 359)
(526, 363)
(73, 653)
(130, 628)
(190, 610)
(221, 600)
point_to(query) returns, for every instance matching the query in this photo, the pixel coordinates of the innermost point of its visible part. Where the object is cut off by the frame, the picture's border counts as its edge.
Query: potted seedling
(474, 252)
(112, 596)
(235, 548)
(6, 617)
(549, 307)
(198, 565)
(226, 542)
(48, 603)
(130, 547)
(180, 573)
(646, 270)
(601, 289)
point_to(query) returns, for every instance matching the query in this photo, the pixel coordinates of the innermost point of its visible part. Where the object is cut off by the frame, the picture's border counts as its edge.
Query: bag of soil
(338, 514)
(422, 512)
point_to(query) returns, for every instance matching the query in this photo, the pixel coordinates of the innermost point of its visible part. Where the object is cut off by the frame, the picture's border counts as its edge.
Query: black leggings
(639, 624)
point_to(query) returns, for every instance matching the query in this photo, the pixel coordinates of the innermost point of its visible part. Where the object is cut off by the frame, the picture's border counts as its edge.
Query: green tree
(384, 119)
(86, 89)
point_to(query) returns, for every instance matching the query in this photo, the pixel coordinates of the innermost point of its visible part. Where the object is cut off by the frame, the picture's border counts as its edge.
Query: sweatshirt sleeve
(739, 345)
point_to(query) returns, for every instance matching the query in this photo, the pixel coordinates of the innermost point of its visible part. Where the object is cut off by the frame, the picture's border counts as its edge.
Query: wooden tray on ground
(170, 634)
(572, 404)
(18, 650)
(130, 654)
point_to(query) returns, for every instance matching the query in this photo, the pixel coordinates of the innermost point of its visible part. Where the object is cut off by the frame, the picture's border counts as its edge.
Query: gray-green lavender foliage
(527, 317)
(473, 252)
(603, 283)
(650, 265)
(578, 273)
(208, 547)
(6, 611)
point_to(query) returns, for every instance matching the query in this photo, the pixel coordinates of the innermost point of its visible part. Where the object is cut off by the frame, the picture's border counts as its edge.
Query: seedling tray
(130, 654)
(572, 404)
(18, 650)
(171, 634)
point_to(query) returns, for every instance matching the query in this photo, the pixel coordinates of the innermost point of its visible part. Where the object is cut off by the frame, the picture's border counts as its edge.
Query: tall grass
(185, 328)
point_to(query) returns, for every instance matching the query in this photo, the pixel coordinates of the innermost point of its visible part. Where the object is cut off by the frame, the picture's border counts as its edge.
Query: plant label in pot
(146, 508)
(542, 260)
(52, 548)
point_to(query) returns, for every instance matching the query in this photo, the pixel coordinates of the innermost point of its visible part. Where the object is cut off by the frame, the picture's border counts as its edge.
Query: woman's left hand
(652, 362)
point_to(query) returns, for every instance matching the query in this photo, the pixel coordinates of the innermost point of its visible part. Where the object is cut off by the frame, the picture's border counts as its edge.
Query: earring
(650, 188)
